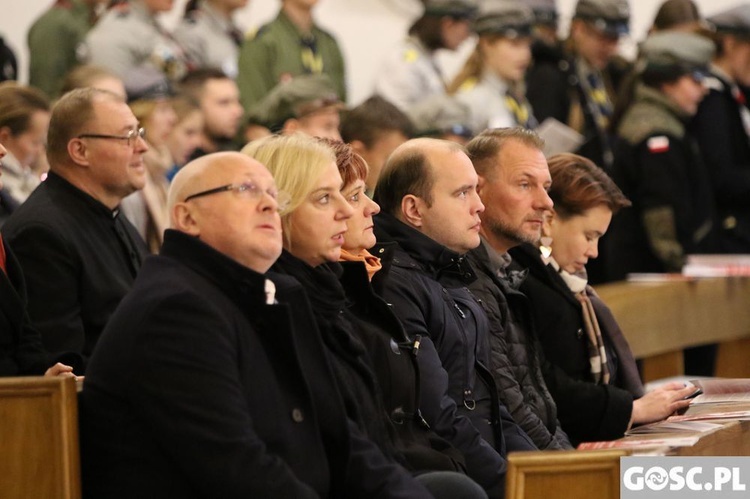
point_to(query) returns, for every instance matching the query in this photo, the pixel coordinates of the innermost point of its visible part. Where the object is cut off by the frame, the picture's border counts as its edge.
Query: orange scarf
(372, 263)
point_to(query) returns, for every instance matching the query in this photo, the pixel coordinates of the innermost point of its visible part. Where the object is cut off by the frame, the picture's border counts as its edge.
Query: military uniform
(280, 51)
(494, 105)
(441, 116)
(722, 127)
(210, 40)
(571, 91)
(128, 36)
(409, 75)
(496, 102)
(659, 167)
(55, 43)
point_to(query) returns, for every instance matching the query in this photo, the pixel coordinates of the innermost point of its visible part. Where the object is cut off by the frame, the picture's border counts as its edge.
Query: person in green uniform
(290, 45)
(55, 42)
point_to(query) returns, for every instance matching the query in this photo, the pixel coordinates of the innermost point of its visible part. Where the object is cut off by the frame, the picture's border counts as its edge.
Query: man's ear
(183, 218)
(78, 151)
(290, 126)
(411, 210)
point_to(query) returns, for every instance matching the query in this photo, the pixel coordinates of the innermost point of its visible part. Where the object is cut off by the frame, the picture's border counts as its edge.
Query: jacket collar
(233, 278)
(56, 180)
(529, 255)
(498, 265)
(656, 98)
(433, 257)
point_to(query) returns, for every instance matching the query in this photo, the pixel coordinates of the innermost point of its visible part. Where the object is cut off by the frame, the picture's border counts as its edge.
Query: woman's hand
(660, 403)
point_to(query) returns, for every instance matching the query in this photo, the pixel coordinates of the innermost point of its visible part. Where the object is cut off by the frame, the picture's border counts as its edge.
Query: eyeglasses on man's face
(249, 190)
(131, 137)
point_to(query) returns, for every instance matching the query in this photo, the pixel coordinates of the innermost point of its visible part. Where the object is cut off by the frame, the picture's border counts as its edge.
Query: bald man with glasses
(79, 255)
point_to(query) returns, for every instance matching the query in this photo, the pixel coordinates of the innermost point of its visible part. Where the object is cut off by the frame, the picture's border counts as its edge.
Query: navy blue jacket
(427, 289)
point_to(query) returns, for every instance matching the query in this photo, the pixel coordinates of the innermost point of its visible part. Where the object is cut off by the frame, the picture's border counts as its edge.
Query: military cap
(677, 50)
(299, 97)
(611, 17)
(509, 18)
(545, 11)
(439, 114)
(734, 21)
(452, 8)
(147, 83)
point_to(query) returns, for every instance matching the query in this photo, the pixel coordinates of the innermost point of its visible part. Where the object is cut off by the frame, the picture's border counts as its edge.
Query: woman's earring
(545, 246)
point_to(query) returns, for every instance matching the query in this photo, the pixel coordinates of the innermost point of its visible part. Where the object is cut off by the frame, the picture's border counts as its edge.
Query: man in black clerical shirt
(79, 255)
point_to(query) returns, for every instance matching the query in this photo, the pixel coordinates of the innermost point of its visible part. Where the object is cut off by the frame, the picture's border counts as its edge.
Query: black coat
(725, 144)
(374, 362)
(21, 350)
(658, 165)
(199, 388)
(79, 259)
(427, 289)
(514, 358)
(587, 411)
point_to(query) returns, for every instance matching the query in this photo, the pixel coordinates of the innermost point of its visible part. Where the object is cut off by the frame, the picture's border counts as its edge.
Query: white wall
(366, 29)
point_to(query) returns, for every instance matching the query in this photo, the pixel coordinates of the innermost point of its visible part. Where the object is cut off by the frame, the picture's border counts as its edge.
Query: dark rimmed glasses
(250, 190)
(131, 137)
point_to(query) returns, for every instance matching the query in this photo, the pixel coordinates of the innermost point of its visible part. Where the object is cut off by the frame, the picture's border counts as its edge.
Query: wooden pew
(564, 474)
(661, 319)
(39, 439)
(595, 474)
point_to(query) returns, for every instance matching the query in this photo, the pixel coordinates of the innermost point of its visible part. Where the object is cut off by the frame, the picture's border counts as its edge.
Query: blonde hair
(474, 66)
(296, 163)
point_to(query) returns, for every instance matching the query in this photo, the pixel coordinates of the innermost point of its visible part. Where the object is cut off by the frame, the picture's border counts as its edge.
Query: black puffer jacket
(515, 361)
(427, 288)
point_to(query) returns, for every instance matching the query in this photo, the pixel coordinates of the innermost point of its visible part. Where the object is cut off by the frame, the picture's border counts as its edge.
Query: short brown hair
(579, 185)
(193, 84)
(484, 148)
(370, 120)
(17, 104)
(70, 114)
(409, 171)
(351, 165)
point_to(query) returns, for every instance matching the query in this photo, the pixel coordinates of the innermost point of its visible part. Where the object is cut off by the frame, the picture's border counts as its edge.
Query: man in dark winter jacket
(430, 207)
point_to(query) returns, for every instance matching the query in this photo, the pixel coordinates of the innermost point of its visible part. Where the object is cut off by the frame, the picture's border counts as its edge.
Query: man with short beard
(513, 183)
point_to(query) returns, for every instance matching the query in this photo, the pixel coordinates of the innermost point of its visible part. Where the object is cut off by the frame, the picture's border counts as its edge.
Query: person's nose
(478, 205)
(593, 249)
(372, 209)
(345, 210)
(542, 200)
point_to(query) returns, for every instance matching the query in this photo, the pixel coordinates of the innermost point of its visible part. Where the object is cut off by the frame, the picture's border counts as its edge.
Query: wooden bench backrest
(39, 453)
